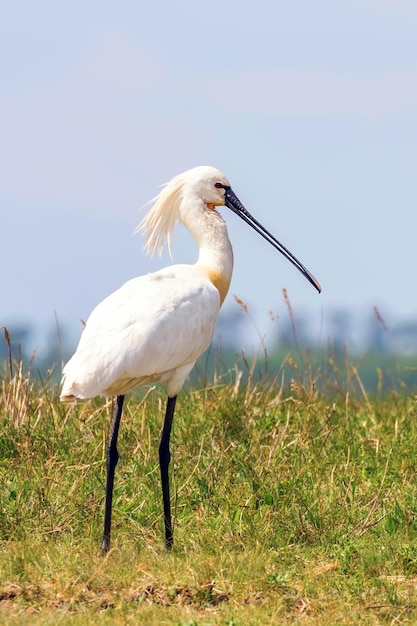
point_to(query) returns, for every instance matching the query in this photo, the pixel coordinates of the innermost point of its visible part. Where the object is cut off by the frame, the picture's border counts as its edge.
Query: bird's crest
(158, 224)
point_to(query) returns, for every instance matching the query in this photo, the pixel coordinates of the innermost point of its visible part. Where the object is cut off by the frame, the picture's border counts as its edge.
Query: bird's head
(203, 185)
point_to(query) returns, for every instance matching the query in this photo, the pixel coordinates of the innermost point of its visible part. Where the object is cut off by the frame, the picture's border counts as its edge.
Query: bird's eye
(219, 185)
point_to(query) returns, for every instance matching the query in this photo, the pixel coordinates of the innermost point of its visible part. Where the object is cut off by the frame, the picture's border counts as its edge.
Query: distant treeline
(385, 361)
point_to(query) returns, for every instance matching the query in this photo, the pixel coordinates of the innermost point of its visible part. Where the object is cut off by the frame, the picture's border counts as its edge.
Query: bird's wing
(143, 332)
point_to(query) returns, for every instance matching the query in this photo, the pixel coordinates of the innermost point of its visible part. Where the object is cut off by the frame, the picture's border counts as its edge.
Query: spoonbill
(154, 328)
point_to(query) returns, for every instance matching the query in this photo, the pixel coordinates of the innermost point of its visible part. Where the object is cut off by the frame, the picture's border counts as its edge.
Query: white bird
(154, 328)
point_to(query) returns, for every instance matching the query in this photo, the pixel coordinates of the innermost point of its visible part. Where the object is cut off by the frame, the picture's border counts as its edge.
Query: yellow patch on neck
(218, 279)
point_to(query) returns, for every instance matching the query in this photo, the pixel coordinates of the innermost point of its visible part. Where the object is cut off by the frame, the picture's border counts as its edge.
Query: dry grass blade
(9, 349)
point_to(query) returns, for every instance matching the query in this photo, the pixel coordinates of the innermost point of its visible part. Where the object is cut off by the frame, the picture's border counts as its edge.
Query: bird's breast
(218, 278)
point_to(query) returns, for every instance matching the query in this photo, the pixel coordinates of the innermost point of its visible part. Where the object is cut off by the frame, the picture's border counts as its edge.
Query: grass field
(290, 507)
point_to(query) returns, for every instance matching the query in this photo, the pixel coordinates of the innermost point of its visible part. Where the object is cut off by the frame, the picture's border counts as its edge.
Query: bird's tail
(67, 397)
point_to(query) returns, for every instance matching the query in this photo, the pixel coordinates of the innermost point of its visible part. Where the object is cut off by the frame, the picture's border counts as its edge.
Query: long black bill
(232, 202)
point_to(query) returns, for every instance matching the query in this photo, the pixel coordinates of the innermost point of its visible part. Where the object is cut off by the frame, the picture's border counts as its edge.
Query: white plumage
(152, 329)
(155, 327)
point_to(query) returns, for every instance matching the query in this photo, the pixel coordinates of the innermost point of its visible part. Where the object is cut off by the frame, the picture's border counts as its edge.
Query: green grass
(295, 507)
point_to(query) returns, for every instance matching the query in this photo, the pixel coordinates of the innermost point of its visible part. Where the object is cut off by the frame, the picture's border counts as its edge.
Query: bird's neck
(215, 251)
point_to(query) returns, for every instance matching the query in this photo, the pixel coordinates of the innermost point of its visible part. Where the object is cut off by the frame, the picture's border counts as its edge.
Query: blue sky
(310, 109)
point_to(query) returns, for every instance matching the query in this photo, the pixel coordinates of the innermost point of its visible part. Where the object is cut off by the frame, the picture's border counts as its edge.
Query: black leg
(164, 458)
(112, 458)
